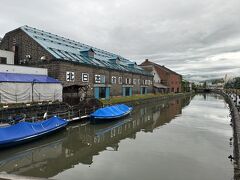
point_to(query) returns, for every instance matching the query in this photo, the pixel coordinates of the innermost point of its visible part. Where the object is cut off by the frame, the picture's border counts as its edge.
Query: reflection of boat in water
(109, 128)
(25, 131)
(82, 141)
(110, 113)
(31, 159)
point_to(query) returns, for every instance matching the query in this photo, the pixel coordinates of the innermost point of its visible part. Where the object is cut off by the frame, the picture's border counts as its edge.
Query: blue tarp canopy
(114, 111)
(26, 78)
(27, 130)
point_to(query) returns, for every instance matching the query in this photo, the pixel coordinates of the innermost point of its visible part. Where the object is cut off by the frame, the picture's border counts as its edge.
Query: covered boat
(26, 131)
(111, 112)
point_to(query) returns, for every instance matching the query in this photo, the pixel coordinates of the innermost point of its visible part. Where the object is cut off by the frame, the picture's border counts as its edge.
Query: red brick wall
(175, 83)
(168, 77)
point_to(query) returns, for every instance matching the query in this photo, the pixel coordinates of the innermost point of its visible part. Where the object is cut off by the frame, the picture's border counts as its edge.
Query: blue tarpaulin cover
(110, 112)
(26, 130)
(26, 78)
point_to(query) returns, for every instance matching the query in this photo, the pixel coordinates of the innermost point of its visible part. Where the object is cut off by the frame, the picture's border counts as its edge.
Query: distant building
(165, 80)
(77, 65)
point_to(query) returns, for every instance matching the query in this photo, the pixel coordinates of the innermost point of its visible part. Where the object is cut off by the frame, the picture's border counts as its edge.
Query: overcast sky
(197, 38)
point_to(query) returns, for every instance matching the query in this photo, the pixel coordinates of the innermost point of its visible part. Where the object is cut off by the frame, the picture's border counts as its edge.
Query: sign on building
(70, 76)
(85, 77)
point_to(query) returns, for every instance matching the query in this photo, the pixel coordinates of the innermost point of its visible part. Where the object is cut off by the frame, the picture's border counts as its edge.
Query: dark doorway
(102, 92)
(73, 94)
(127, 91)
(144, 90)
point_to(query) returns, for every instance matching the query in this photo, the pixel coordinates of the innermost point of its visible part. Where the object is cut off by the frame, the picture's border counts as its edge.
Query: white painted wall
(7, 68)
(156, 77)
(9, 55)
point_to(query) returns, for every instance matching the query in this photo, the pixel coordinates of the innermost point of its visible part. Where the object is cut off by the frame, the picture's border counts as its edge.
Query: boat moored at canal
(25, 131)
(110, 113)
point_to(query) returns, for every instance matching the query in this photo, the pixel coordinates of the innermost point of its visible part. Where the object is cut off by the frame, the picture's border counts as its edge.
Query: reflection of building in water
(31, 157)
(83, 141)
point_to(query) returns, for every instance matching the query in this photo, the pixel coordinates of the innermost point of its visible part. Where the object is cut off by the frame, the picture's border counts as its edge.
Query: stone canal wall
(157, 98)
(235, 122)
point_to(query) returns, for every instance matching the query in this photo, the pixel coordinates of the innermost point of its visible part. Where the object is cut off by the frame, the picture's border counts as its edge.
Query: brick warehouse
(167, 79)
(76, 64)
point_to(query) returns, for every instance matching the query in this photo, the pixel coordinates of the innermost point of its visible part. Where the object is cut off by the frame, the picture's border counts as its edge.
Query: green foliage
(205, 84)
(124, 99)
(216, 81)
(185, 86)
(233, 84)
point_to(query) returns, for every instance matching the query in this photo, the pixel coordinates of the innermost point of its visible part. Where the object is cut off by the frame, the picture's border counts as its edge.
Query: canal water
(182, 139)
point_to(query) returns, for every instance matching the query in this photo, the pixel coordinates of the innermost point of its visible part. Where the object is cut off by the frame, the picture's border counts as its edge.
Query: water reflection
(82, 141)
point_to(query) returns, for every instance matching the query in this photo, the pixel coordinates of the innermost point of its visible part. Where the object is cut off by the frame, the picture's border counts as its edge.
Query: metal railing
(70, 114)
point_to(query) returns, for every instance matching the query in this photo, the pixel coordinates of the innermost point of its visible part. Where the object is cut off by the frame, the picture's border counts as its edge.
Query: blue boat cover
(114, 111)
(28, 78)
(25, 130)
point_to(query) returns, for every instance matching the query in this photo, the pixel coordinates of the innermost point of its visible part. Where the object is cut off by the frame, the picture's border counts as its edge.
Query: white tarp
(11, 92)
(15, 92)
(47, 92)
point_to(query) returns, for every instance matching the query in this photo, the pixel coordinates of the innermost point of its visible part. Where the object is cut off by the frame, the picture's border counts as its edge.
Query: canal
(183, 139)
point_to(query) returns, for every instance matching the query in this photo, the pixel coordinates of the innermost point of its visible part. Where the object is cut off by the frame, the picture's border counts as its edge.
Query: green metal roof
(70, 50)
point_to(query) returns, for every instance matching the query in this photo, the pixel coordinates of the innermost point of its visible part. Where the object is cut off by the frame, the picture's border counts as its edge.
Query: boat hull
(27, 139)
(108, 118)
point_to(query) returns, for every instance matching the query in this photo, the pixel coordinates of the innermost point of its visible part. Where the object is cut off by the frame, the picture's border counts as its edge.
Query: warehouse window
(85, 77)
(3, 60)
(70, 76)
(114, 80)
(134, 81)
(99, 78)
(146, 82)
(120, 80)
(128, 81)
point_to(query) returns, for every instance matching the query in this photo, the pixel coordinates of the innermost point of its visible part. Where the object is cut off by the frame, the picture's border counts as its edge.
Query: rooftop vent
(132, 65)
(88, 53)
(114, 60)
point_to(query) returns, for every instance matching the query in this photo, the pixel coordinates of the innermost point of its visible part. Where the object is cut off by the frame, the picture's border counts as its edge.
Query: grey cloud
(183, 35)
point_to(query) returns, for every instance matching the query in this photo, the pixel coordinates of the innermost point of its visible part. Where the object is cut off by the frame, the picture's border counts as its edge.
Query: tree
(233, 84)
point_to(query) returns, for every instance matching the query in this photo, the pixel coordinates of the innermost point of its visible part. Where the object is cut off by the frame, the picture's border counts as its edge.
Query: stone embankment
(144, 99)
(235, 123)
